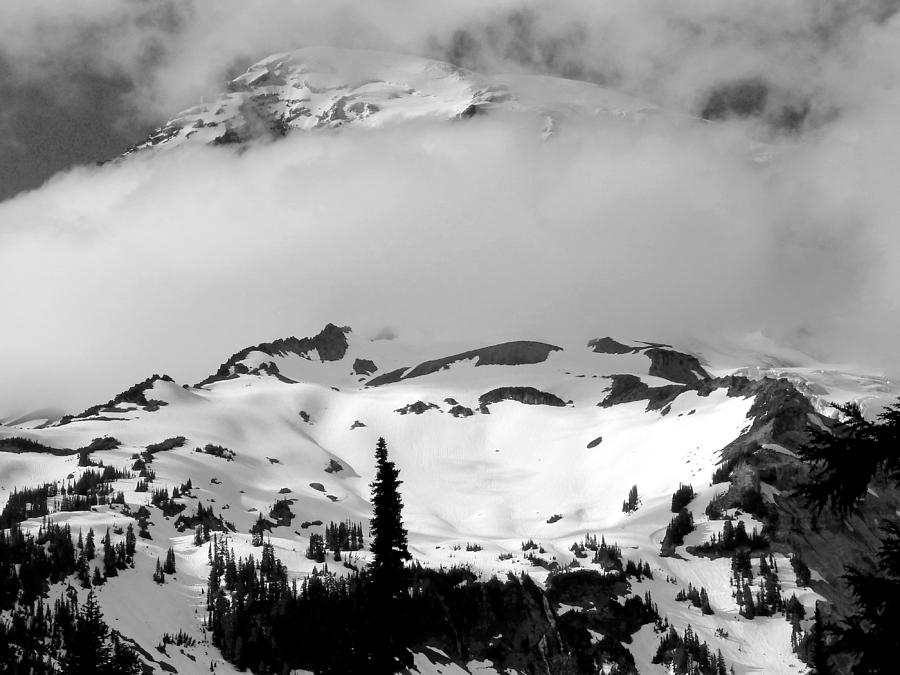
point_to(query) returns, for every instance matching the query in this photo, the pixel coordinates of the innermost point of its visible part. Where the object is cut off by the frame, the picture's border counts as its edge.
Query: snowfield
(507, 473)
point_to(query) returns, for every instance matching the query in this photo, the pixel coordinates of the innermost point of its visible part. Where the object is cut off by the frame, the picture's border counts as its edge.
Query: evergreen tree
(169, 566)
(130, 543)
(159, 576)
(89, 545)
(109, 557)
(88, 652)
(389, 543)
(631, 504)
(387, 574)
(844, 461)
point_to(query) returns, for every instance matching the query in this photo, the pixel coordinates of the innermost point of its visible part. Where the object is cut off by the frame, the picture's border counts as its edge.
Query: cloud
(479, 229)
(174, 52)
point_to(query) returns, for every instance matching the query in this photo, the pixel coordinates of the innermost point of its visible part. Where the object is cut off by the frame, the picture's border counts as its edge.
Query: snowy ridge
(325, 88)
(486, 480)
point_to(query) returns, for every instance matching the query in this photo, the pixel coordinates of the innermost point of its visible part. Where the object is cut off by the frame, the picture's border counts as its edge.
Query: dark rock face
(780, 415)
(416, 408)
(135, 395)
(630, 388)
(526, 395)
(607, 345)
(388, 378)
(506, 354)
(364, 367)
(461, 411)
(331, 345)
(677, 367)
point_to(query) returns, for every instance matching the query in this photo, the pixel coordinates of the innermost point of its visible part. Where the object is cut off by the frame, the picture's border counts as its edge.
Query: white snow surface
(488, 479)
(327, 87)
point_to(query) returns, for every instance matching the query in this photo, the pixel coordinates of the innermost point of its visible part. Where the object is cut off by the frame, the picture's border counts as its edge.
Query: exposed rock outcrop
(461, 411)
(364, 367)
(677, 367)
(630, 388)
(518, 353)
(330, 345)
(135, 395)
(526, 395)
(416, 408)
(607, 345)
(388, 378)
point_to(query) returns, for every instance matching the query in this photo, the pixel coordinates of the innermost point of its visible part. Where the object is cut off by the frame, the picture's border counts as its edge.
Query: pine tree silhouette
(88, 652)
(387, 574)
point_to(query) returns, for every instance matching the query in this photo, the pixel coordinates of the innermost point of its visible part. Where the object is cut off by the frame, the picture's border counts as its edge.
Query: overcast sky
(478, 230)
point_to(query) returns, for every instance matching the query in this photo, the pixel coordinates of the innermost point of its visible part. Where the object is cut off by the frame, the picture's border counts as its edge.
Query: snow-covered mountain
(515, 457)
(325, 88)
(497, 445)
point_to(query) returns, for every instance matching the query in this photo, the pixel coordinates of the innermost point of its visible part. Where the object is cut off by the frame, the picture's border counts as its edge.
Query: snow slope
(494, 478)
(325, 88)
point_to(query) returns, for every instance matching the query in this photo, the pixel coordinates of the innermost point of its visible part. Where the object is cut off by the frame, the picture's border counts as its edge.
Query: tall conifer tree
(388, 652)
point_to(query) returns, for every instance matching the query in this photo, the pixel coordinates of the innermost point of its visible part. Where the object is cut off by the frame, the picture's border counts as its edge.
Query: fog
(477, 230)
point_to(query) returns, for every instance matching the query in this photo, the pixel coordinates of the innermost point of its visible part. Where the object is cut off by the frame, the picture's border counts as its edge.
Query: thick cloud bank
(477, 229)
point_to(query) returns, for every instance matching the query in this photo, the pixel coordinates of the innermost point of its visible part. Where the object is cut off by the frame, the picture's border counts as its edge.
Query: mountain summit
(326, 88)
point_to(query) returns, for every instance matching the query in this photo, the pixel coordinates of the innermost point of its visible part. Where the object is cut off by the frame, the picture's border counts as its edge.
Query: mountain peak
(330, 344)
(325, 87)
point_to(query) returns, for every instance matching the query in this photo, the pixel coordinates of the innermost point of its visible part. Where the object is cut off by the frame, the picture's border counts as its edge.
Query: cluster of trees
(698, 598)
(27, 503)
(203, 522)
(29, 563)
(329, 624)
(767, 600)
(281, 512)
(631, 502)
(161, 499)
(639, 570)
(89, 489)
(681, 525)
(733, 538)
(845, 460)
(97, 445)
(685, 654)
(344, 536)
(217, 451)
(168, 567)
(367, 620)
(682, 497)
(68, 639)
